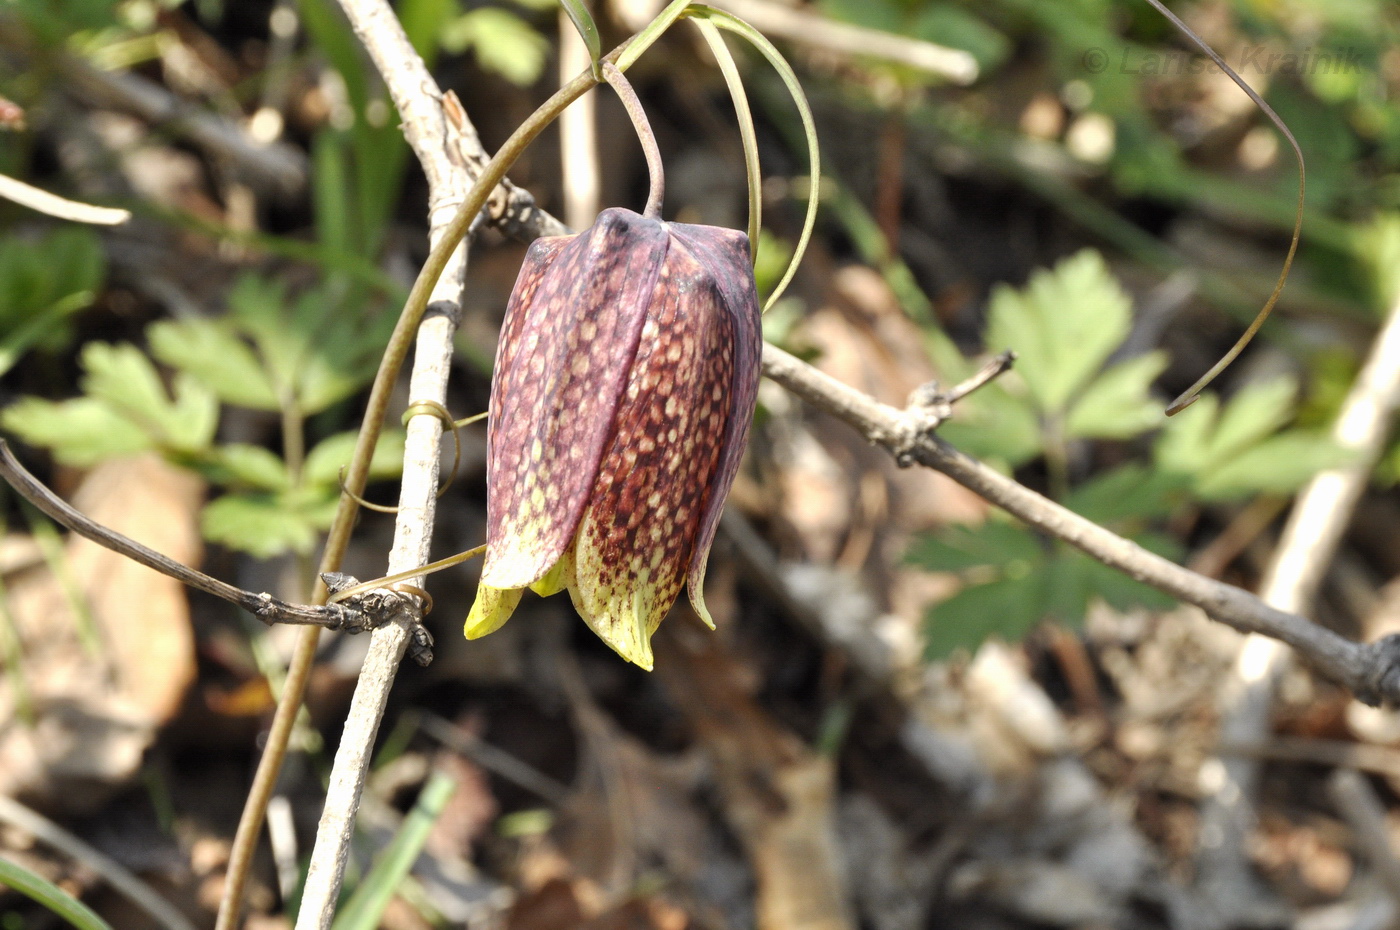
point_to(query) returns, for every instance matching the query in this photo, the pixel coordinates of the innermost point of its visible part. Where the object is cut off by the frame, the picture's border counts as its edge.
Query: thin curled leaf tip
(1189, 396)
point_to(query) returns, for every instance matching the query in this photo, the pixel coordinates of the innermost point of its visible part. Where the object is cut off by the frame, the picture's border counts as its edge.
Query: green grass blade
(748, 137)
(587, 30)
(50, 896)
(736, 25)
(366, 905)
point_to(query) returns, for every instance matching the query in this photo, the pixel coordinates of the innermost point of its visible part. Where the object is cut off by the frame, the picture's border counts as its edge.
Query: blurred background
(915, 712)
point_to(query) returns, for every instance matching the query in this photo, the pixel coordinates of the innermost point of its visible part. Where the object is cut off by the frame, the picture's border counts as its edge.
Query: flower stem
(633, 105)
(337, 539)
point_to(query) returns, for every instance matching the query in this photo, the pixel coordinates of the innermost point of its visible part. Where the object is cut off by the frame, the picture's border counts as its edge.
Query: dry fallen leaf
(95, 712)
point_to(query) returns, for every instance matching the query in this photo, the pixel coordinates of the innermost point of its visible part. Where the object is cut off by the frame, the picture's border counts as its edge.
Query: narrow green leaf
(747, 136)
(366, 906)
(814, 171)
(330, 190)
(652, 31)
(40, 327)
(52, 897)
(587, 30)
(333, 36)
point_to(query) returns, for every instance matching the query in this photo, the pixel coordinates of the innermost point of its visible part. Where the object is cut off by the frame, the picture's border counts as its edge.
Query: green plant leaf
(1118, 403)
(503, 43)
(960, 547)
(260, 524)
(1063, 326)
(1256, 411)
(63, 269)
(241, 464)
(190, 423)
(422, 21)
(217, 358)
(324, 462)
(40, 328)
(330, 191)
(951, 26)
(315, 349)
(1378, 246)
(81, 432)
(124, 378)
(1241, 448)
(1278, 465)
(52, 897)
(1007, 607)
(1118, 590)
(1128, 493)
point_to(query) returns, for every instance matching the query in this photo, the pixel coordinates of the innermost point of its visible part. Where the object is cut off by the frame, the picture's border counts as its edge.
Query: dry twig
(1310, 540)
(346, 616)
(1370, 671)
(801, 25)
(32, 197)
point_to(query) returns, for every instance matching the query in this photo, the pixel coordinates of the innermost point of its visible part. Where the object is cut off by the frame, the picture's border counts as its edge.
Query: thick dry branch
(1370, 671)
(438, 144)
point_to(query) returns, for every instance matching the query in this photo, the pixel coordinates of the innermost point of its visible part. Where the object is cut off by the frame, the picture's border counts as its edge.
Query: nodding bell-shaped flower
(625, 381)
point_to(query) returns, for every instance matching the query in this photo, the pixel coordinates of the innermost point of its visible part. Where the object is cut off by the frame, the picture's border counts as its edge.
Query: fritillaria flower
(625, 381)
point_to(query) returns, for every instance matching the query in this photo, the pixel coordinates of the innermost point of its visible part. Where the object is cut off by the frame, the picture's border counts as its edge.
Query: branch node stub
(369, 610)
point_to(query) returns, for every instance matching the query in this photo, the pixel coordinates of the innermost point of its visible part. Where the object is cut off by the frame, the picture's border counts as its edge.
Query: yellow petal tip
(491, 609)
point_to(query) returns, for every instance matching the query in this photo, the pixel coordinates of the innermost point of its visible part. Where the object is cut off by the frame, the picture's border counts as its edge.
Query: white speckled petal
(569, 338)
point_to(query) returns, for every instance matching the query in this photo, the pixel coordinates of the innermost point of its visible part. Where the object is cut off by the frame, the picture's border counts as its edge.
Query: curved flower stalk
(625, 382)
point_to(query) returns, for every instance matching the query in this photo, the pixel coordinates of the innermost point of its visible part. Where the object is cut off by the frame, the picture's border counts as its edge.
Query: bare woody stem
(1371, 671)
(263, 606)
(657, 191)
